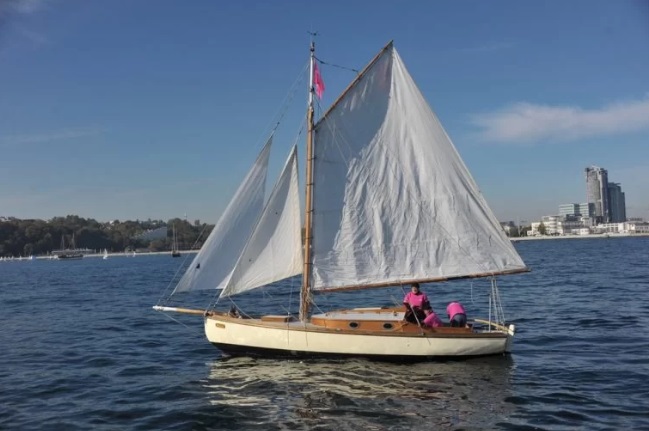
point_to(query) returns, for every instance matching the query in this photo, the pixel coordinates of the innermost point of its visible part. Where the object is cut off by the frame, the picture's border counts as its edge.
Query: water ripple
(81, 349)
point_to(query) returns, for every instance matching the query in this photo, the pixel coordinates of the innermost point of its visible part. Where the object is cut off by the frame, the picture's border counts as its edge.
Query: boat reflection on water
(362, 394)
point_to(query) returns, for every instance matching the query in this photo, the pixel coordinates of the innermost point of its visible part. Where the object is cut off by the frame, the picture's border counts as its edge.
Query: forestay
(273, 251)
(393, 201)
(213, 265)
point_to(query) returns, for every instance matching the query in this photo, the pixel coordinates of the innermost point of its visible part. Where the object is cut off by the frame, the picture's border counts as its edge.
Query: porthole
(353, 325)
(387, 325)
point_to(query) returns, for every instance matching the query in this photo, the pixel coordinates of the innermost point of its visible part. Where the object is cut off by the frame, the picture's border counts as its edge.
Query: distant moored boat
(174, 244)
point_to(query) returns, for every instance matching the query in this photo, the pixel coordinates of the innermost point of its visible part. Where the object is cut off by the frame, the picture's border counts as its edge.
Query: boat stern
(511, 329)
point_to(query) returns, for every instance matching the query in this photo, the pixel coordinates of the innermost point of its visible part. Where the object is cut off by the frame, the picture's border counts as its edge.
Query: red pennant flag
(318, 83)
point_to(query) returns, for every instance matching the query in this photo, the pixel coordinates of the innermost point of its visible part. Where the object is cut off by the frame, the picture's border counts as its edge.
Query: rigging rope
(164, 298)
(338, 66)
(217, 295)
(498, 304)
(179, 322)
(277, 118)
(288, 98)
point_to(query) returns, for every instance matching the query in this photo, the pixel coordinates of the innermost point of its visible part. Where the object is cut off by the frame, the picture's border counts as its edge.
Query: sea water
(80, 349)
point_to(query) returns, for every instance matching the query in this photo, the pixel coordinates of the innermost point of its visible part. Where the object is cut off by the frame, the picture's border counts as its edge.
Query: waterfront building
(572, 227)
(582, 231)
(616, 203)
(534, 229)
(587, 222)
(579, 214)
(551, 223)
(597, 191)
(153, 234)
(638, 227)
(587, 209)
(625, 227)
(611, 228)
(569, 210)
(556, 225)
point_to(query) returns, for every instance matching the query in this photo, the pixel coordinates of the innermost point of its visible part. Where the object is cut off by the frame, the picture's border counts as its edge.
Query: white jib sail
(393, 200)
(212, 266)
(274, 250)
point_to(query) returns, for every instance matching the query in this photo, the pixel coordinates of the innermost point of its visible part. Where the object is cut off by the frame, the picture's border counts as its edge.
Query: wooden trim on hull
(258, 352)
(336, 327)
(312, 340)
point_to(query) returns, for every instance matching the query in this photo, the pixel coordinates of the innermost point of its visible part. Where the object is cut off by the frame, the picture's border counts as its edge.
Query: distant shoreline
(119, 254)
(513, 239)
(591, 236)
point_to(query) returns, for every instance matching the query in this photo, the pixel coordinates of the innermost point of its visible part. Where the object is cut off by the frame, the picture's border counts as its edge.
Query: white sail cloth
(393, 201)
(273, 251)
(212, 266)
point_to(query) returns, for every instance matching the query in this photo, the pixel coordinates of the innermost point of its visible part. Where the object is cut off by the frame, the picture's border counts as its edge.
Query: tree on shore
(39, 237)
(542, 229)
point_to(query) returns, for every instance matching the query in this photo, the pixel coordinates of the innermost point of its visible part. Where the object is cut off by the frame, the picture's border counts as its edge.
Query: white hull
(296, 338)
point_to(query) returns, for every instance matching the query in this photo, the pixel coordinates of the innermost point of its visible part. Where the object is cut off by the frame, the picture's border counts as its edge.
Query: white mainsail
(393, 200)
(273, 251)
(212, 266)
(393, 203)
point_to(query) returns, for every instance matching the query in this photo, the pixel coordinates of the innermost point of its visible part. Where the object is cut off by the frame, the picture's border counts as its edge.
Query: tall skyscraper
(597, 192)
(616, 203)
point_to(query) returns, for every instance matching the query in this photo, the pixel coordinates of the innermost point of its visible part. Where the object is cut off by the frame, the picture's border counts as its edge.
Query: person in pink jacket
(431, 319)
(415, 302)
(456, 314)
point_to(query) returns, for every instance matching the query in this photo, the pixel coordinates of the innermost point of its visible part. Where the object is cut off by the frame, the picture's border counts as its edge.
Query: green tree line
(39, 237)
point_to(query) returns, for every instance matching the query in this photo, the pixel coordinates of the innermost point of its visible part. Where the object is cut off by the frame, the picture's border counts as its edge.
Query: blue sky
(143, 109)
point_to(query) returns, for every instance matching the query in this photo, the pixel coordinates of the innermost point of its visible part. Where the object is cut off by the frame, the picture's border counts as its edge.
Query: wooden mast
(305, 292)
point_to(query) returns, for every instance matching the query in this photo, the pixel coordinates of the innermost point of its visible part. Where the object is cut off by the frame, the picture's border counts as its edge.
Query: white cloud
(11, 12)
(22, 6)
(34, 37)
(58, 135)
(529, 123)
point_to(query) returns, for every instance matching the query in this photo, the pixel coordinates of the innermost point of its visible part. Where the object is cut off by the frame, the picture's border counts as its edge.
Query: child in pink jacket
(431, 319)
(456, 314)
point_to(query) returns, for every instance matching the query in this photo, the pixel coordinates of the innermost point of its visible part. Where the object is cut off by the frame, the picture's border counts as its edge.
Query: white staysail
(393, 200)
(212, 266)
(274, 250)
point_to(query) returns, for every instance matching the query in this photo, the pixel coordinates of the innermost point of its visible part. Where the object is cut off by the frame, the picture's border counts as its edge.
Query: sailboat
(174, 244)
(389, 202)
(105, 256)
(69, 254)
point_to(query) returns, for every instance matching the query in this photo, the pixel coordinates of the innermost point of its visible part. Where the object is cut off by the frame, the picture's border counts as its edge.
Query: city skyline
(600, 209)
(155, 110)
(605, 200)
(596, 191)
